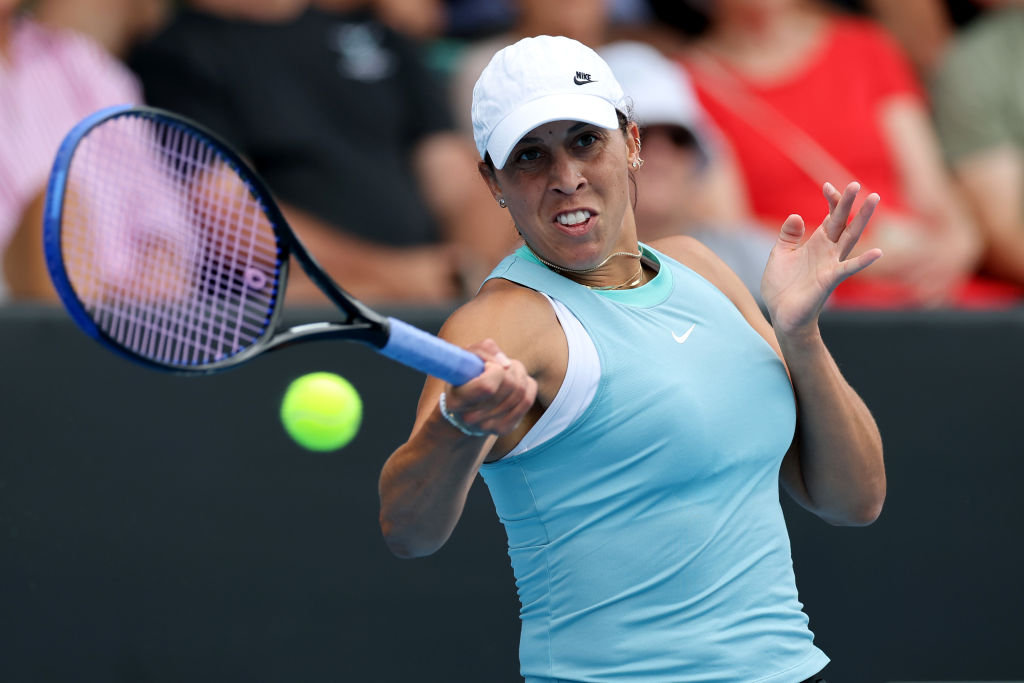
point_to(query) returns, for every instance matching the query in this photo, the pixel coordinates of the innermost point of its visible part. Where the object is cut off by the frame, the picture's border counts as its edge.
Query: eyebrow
(572, 129)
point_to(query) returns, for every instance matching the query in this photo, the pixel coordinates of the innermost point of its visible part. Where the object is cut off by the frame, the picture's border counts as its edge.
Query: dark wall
(160, 528)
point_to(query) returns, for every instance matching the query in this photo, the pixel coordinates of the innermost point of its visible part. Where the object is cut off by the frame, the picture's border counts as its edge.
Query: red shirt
(835, 99)
(843, 119)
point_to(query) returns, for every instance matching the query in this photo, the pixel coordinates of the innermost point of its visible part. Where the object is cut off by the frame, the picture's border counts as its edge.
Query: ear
(491, 178)
(633, 142)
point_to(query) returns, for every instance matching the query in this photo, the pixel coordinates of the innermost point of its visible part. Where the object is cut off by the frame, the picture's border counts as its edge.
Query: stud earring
(502, 203)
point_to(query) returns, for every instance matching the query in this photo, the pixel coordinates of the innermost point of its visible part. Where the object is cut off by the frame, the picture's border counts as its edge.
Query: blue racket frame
(389, 336)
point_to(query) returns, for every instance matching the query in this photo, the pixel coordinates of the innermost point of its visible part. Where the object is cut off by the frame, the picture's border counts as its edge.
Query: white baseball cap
(536, 81)
(659, 89)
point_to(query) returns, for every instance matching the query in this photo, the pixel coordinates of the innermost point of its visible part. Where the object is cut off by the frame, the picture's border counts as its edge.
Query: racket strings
(165, 245)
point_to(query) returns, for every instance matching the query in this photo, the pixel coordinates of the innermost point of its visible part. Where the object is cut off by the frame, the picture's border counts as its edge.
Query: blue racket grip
(423, 351)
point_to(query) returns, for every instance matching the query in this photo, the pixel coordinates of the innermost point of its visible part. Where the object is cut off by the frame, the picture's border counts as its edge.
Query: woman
(49, 79)
(635, 410)
(802, 92)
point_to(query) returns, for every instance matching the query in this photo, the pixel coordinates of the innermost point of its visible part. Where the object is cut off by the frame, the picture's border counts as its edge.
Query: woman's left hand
(801, 274)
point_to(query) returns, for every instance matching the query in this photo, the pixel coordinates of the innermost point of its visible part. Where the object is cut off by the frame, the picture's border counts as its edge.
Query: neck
(618, 270)
(750, 32)
(770, 47)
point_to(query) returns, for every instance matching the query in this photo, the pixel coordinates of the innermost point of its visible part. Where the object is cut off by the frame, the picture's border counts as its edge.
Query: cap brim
(562, 107)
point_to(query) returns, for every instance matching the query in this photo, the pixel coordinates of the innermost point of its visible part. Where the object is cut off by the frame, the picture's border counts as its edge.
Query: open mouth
(574, 221)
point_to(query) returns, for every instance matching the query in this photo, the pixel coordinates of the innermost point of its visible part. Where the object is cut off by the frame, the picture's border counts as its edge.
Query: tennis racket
(168, 249)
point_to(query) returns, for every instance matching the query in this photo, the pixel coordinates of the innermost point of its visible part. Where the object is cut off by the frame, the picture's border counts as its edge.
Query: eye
(526, 156)
(587, 139)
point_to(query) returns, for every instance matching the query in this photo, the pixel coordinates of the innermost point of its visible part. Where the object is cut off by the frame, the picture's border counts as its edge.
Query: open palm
(801, 274)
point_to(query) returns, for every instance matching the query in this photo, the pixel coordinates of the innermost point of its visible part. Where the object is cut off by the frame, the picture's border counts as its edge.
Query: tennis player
(637, 413)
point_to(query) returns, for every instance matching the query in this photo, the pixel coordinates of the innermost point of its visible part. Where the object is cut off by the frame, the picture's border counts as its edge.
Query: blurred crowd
(356, 113)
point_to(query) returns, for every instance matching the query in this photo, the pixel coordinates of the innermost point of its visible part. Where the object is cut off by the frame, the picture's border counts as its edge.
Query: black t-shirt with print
(327, 107)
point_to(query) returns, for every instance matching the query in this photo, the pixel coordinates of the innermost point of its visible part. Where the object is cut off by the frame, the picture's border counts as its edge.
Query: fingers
(848, 238)
(839, 209)
(835, 223)
(832, 196)
(498, 399)
(841, 232)
(792, 232)
(855, 265)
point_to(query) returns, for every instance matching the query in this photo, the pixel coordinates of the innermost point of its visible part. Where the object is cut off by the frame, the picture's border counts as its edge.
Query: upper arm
(524, 326)
(915, 150)
(992, 181)
(446, 168)
(23, 262)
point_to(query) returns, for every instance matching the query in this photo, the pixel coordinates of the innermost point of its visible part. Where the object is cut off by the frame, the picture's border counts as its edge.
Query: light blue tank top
(647, 539)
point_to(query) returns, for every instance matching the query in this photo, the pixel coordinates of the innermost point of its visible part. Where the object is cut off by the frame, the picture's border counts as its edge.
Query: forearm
(423, 487)
(1004, 255)
(23, 262)
(837, 471)
(371, 271)
(958, 228)
(446, 169)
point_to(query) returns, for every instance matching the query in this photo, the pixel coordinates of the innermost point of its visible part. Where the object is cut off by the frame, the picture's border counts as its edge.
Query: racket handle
(430, 354)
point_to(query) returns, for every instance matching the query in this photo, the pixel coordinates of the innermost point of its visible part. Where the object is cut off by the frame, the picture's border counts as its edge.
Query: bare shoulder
(520, 320)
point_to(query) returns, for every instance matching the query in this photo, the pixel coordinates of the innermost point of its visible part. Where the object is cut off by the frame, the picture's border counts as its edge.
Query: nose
(566, 174)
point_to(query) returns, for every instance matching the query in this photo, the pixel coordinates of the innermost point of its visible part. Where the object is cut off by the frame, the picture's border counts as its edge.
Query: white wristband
(454, 421)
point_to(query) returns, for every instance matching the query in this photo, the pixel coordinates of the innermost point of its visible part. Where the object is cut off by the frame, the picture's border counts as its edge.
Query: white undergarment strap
(578, 388)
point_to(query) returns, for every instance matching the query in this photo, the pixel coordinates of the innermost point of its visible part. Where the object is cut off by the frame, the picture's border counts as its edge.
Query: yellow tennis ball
(321, 411)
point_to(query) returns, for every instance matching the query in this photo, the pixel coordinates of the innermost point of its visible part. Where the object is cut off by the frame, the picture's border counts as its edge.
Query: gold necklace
(633, 281)
(579, 271)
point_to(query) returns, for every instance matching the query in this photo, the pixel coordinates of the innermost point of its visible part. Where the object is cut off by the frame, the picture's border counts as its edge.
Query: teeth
(573, 217)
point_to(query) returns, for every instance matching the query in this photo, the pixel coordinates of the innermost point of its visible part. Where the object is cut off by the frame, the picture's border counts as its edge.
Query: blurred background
(156, 528)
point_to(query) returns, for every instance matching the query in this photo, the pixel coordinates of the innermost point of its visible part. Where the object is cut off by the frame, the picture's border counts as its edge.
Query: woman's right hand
(497, 400)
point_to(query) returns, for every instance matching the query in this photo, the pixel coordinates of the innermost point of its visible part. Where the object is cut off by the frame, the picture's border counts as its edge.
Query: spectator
(923, 28)
(681, 163)
(979, 110)
(347, 126)
(476, 18)
(804, 95)
(49, 79)
(421, 19)
(115, 24)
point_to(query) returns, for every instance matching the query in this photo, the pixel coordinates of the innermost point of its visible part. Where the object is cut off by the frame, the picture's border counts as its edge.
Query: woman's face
(567, 188)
